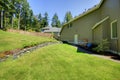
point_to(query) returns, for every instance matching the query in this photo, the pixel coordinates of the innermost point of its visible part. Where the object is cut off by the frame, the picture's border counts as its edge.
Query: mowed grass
(11, 41)
(59, 62)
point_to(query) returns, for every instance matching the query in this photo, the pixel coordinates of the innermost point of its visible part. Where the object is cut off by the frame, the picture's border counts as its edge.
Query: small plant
(103, 46)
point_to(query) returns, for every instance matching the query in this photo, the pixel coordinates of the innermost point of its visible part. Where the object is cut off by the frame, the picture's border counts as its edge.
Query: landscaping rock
(28, 50)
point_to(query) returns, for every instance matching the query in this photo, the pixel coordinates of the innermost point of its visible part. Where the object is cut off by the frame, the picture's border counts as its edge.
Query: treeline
(17, 14)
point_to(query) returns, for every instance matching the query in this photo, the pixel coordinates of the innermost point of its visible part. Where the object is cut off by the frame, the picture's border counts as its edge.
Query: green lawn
(59, 62)
(11, 41)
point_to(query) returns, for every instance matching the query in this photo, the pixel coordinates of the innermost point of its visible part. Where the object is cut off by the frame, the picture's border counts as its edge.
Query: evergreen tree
(40, 17)
(6, 11)
(55, 21)
(30, 19)
(18, 8)
(23, 16)
(36, 24)
(46, 23)
(68, 17)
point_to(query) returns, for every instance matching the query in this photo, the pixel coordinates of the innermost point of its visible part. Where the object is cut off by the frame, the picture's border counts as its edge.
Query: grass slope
(59, 62)
(11, 41)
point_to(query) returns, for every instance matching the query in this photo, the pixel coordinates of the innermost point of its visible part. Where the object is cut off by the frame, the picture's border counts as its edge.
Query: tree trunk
(1, 19)
(19, 22)
(4, 20)
(12, 21)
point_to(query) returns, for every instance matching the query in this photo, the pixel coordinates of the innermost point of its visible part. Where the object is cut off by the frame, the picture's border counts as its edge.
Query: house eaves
(100, 22)
(85, 13)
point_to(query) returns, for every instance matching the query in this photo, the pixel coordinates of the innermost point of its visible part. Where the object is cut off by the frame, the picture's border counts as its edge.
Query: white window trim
(112, 30)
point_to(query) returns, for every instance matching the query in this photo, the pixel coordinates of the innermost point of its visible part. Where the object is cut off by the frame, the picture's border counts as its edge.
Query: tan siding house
(100, 22)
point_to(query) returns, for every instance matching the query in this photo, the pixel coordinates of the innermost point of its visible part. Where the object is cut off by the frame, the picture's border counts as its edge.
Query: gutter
(89, 11)
(84, 14)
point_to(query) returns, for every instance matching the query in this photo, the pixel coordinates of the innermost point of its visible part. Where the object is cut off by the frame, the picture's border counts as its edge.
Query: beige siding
(119, 30)
(113, 45)
(106, 30)
(119, 46)
(119, 34)
(111, 8)
(98, 34)
(66, 34)
(82, 27)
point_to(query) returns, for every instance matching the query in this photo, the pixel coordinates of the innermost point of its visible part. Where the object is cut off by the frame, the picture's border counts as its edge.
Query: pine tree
(55, 21)
(46, 19)
(68, 17)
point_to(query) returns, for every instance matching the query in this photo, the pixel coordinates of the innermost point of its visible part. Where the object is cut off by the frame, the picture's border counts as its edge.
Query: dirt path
(18, 53)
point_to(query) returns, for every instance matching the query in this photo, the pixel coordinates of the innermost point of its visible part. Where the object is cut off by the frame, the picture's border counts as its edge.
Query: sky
(61, 7)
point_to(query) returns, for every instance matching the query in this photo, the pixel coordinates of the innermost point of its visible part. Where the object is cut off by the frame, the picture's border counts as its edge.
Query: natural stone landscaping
(17, 53)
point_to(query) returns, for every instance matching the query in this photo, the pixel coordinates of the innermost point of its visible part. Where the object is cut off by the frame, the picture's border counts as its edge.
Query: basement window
(114, 34)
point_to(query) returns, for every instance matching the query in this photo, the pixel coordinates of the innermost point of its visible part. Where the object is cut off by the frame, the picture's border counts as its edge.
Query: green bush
(102, 46)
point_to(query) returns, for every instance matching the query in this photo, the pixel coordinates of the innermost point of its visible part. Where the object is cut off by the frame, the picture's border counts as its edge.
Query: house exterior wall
(111, 8)
(119, 32)
(81, 27)
(67, 34)
(97, 34)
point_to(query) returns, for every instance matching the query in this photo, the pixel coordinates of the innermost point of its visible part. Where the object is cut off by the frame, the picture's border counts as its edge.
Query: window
(70, 25)
(114, 29)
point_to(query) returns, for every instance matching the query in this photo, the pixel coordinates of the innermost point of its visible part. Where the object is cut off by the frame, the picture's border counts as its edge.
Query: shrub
(102, 46)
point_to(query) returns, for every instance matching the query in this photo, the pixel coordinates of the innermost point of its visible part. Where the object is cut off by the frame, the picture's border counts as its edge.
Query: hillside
(59, 62)
(15, 41)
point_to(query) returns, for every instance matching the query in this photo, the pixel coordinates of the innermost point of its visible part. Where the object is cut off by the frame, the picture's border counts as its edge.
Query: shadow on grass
(90, 51)
(107, 54)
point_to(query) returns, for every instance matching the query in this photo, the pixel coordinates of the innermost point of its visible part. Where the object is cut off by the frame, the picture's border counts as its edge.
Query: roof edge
(89, 11)
(98, 23)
